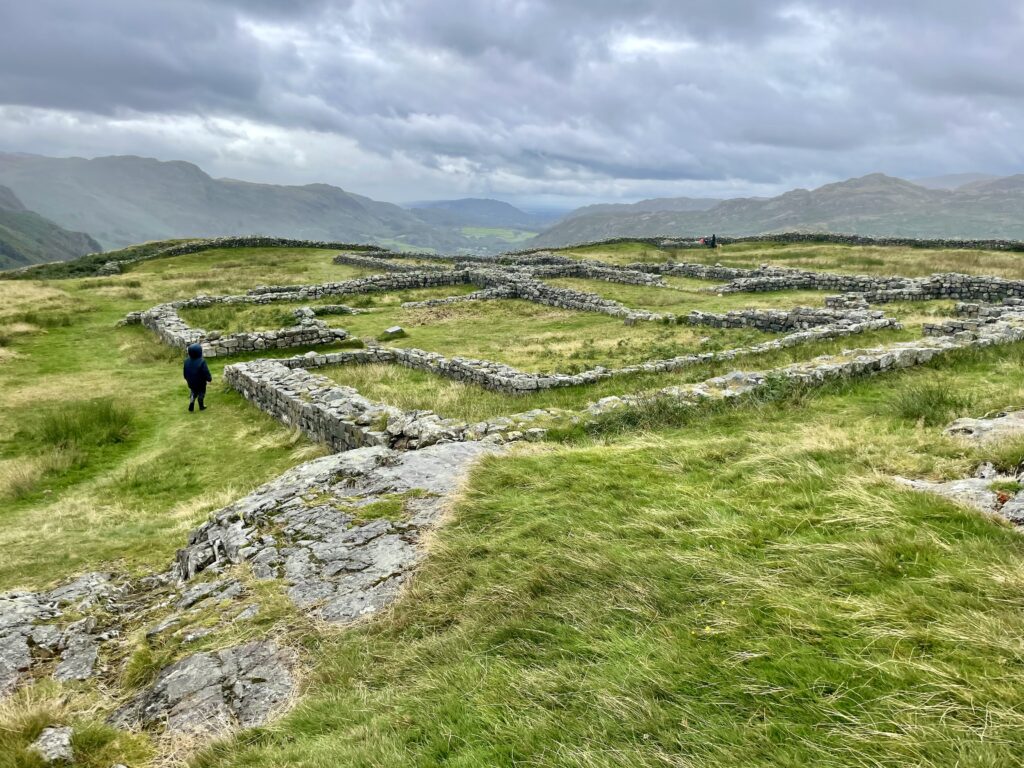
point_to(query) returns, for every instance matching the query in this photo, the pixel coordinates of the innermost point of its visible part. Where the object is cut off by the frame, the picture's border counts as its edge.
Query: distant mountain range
(654, 205)
(875, 205)
(28, 238)
(47, 203)
(126, 200)
(480, 213)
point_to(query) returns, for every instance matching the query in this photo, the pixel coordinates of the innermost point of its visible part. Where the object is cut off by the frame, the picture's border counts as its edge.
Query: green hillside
(27, 238)
(741, 584)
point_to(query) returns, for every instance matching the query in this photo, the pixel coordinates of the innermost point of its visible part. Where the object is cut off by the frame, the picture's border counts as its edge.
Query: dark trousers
(196, 394)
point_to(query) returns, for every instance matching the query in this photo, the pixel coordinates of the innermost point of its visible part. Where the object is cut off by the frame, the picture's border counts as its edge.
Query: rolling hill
(28, 238)
(126, 199)
(479, 212)
(875, 205)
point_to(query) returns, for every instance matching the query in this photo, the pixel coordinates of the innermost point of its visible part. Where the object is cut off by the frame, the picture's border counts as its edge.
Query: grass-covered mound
(745, 588)
(733, 586)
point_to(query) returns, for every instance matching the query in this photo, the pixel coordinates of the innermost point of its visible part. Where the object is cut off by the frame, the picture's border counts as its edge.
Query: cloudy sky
(531, 101)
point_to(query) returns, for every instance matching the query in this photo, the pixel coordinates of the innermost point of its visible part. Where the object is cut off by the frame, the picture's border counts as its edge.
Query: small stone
(54, 744)
(248, 613)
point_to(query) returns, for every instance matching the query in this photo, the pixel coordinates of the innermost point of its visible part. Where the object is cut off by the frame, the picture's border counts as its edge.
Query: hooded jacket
(196, 372)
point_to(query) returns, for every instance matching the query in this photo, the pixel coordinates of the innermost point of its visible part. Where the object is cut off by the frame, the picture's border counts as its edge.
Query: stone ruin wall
(173, 331)
(667, 242)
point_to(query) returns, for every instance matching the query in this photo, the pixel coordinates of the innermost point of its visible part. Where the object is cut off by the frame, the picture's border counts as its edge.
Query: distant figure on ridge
(197, 375)
(714, 241)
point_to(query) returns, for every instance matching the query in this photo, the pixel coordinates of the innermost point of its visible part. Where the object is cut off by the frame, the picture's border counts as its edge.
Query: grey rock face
(54, 745)
(977, 493)
(209, 693)
(340, 563)
(24, 635)
(1007, 424)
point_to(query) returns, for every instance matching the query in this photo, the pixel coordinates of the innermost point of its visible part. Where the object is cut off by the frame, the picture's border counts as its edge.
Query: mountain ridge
(125, 199)
(27, 238)
(874, 205)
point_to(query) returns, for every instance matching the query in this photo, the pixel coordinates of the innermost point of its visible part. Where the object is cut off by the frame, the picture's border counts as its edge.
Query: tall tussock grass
(930, 403)
(88, 424)
(60, 439)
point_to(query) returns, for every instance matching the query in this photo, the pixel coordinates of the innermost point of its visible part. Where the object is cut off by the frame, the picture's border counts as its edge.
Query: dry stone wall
(666, 242)
(383, 264)
(173, 331)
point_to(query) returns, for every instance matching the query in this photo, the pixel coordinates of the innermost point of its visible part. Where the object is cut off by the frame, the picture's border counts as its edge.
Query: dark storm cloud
(527, 96)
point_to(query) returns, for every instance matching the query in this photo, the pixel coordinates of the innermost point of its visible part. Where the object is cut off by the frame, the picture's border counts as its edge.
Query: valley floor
(741, 585)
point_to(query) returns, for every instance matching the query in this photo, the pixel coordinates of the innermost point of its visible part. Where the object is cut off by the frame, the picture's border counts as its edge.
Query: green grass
(731, 585)
(626, 253)
(744, 589)
(685, 295)
(87, 486)
(528, 336)
(861, 259)
(235, 270)
(81, 424)
(498, 233)
(931, 403)
(418, 390)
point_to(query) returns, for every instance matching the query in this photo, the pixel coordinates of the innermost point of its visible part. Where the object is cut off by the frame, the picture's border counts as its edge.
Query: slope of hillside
(875, 205)
(479, 212)
(28, 238)
(674, 582)
(653, 205)
(125, 200)
(953, 180)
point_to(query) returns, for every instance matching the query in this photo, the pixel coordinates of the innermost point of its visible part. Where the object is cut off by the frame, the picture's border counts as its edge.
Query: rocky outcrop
(1004, 425)
(30, 631)
(322, 528)
(210, 693)
(54, 745)
(343, 533)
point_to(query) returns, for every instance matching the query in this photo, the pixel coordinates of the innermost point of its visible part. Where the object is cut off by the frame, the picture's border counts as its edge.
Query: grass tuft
(89, 424)
(930, 403)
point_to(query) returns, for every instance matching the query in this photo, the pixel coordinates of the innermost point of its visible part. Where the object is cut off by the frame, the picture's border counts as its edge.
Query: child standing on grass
(197, 375)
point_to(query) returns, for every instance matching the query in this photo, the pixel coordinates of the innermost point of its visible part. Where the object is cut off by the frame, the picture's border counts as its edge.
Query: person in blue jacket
(197, 375)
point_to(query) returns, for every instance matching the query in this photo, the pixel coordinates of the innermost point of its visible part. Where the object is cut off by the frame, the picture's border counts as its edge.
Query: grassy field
(418, 390)
(848, 259)
(736, 586)
(498, 233)
(685, 295)
(741, 589)
(523, 334)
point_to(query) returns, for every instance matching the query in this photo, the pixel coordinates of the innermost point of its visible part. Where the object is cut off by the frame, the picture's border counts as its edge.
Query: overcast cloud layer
(526, 100)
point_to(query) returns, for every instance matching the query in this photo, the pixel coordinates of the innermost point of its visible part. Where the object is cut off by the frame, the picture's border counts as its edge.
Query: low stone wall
(336, 416)
(666, 242)
(589, 271)
(783, 320)
(878, 290)
(333, 309)
(340, 417)
(503, 378)
(173, 331)
(488, 294)
(971, 317)
(850, 364)
(384, 265)
(497, 283)
(372, 284)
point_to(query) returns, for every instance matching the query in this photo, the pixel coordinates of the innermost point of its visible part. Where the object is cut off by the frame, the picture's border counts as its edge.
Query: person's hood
(195, 351)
